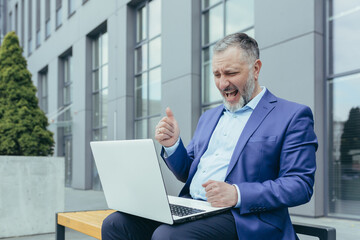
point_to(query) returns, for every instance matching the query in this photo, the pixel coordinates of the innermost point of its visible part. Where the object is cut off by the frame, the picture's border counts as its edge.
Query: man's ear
(257, 67)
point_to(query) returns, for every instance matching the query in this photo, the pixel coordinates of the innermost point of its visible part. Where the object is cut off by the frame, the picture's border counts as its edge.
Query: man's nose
(223, 82)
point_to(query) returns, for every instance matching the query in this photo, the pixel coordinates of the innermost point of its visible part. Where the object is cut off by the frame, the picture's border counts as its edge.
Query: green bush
(23, 125)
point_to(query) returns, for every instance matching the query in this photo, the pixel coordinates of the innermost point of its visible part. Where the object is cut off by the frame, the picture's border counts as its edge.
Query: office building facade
(106, 70)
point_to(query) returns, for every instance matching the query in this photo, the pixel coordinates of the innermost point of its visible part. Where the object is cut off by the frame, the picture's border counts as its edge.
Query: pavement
(76, 200)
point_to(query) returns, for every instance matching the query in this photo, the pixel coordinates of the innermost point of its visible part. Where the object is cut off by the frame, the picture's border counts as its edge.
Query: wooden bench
(89, 223)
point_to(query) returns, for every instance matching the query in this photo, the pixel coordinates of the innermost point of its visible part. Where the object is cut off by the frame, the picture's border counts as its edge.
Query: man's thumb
(169, 113)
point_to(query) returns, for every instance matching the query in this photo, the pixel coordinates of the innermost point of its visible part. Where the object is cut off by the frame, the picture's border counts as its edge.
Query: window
(71, 7)
(47, 19)
(147, 69)
(10, 21)
(65, 118)
(220, 18)
(16, 19)
(58, 13)
(38, 32)
(100, 92)
(43, 90)
(30, 27)
(343, 81)
(22, 23)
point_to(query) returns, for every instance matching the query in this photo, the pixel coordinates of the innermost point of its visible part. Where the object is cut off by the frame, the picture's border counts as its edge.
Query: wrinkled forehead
(230, 56)
(231, 53)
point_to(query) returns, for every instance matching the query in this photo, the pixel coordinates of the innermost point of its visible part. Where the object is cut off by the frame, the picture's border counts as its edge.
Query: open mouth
(231, 93)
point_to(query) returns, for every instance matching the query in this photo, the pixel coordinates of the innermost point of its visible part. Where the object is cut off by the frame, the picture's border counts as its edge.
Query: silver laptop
(130, 174)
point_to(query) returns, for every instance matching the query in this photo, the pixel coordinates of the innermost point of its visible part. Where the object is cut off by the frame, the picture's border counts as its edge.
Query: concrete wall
(290, 38)
(31, 192)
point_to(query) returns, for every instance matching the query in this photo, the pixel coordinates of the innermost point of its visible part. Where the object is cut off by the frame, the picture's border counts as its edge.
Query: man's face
(233, 77)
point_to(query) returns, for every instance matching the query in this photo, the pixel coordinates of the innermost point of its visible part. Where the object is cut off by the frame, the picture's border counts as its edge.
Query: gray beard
(245, 97)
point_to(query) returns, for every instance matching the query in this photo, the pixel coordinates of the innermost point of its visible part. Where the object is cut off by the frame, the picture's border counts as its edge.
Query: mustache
(228, 89)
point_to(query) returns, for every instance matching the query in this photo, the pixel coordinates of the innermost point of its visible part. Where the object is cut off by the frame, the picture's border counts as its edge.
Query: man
(255, 153)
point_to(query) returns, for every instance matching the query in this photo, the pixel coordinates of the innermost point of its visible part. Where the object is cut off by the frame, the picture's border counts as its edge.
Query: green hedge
(23, 125)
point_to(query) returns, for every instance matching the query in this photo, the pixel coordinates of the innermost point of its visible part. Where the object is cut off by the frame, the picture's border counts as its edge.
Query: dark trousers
(124, 226)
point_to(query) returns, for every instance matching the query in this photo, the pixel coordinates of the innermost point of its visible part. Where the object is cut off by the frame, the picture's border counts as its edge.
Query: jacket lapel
(263, 108)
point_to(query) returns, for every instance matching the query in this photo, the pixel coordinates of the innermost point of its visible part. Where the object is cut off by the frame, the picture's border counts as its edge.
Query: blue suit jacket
(273, 165)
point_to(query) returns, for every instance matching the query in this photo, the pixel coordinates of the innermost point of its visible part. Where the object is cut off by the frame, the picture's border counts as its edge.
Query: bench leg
(59, 231)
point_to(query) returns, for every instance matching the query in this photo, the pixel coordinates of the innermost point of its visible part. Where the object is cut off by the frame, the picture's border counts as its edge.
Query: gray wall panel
(281, 20)
(288, 70)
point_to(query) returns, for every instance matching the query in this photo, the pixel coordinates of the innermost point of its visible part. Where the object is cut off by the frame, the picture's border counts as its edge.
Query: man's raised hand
(167, 130)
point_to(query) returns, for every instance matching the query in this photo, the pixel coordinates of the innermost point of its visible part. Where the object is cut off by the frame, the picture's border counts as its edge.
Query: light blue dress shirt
(215, 161)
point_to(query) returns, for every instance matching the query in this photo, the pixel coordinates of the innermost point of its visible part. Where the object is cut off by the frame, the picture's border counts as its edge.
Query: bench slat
(87, 222)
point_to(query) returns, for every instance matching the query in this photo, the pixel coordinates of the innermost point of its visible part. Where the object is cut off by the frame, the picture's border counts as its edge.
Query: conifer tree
(23, 125)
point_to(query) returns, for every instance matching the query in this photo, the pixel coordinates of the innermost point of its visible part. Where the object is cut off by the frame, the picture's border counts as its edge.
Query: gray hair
(242, 41)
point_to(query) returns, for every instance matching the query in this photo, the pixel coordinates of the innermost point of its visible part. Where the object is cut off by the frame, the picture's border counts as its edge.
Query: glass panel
(47, 28)
(58, 17)
(95, 53)
(154, 18)
(104, 109)
(96, 110)
(45, 104)
(30, 46)
(208, 3)
(141, 24)
(210, 93)
(340, 7)
(105, 49)
(213, 25)
(95, 77)
(155, 52)
(239, 15)
(67, 119)
(104, 134)
(71, 6)
(141, 129)
(344, 36)
(67, 95)
(44, 87)
(155, 91)
(66, 70)
(141, 58)
(152, 124)
(141, 95)
(68, 161)
(96, 135)
(344, 175)
(105, 77)
(38, 38)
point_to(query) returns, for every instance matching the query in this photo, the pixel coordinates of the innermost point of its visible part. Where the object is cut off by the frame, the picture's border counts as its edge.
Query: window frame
(330, 165)
(148, 117)
(43, 98)
(208, 105)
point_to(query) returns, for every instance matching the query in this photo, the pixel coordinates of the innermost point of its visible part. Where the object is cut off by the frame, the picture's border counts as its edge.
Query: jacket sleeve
(180, 161)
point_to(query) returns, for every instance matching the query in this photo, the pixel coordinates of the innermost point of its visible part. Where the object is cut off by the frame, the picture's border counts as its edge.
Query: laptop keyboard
(181, 211)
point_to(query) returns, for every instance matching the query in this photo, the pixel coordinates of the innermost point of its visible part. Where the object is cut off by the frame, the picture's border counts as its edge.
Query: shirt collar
(253, 102)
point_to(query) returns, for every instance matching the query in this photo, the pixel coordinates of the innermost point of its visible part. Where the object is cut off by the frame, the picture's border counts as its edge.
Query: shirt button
(234, 116)
(225, 134)
(216, 154)
(203, 171)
